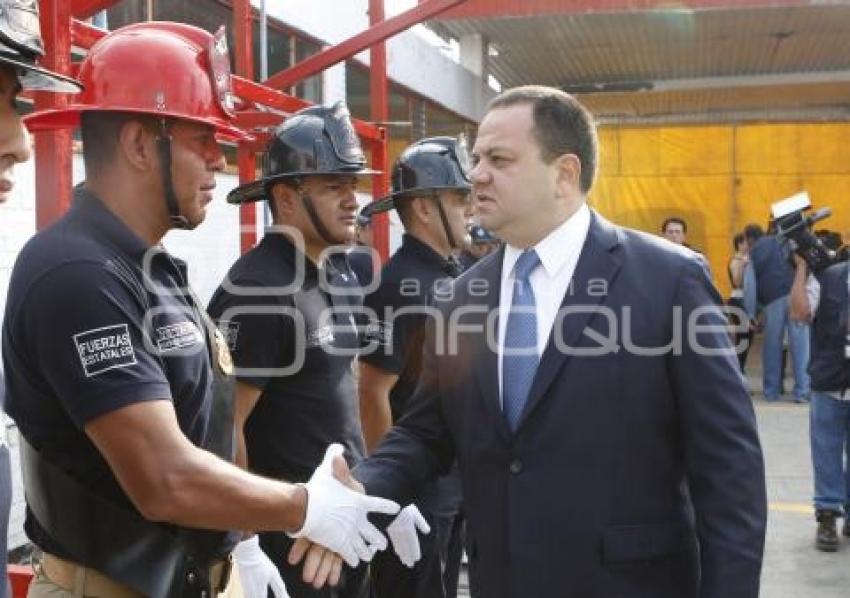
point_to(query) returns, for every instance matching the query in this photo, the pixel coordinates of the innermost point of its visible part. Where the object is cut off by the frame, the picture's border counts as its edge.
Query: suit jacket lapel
(598, 262)
(487, 362)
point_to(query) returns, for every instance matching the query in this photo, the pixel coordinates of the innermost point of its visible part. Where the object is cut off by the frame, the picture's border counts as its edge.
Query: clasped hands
(336, 526)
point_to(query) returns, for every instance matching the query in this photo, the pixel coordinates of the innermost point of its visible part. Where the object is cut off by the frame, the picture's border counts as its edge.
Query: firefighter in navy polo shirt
(431, 195)
(118, 383)
(289, 309)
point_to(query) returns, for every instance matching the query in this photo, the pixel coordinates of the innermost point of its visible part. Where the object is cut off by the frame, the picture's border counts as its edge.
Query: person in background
(824, 299)
(736, 268)
(289, 310)
(767, 283)
(430, 193)
(479, 242)
(362, 258)
(675, 230)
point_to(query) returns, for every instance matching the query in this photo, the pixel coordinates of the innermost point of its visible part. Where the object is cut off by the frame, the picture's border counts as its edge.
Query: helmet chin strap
(445, 220)
(163, 146)
(310, 207)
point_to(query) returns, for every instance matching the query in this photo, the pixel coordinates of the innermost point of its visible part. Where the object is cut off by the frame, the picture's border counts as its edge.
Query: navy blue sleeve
(722, 452)
(256, 327)
(392, 331)
(84, 330)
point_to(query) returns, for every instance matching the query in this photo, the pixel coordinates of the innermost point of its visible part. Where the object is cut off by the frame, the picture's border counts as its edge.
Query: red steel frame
(61, 25)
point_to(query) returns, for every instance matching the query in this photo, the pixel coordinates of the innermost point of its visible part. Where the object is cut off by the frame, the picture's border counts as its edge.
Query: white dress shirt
(558, 253)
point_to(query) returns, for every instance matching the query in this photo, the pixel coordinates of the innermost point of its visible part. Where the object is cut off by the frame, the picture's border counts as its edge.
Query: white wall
(411, 61)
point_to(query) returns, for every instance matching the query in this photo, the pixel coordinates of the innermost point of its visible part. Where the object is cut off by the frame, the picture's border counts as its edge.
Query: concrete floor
(792, 567)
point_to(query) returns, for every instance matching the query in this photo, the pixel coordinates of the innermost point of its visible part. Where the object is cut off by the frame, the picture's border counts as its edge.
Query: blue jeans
(829, 432)
(775, 325)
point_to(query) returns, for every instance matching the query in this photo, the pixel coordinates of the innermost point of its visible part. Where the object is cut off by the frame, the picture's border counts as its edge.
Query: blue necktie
(520, 334)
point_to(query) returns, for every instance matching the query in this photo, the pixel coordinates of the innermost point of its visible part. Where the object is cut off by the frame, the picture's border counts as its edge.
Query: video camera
(794, 223)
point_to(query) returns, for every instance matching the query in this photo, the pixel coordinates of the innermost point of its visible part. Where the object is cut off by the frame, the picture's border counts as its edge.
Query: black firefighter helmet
(21, 46)
(313, 141)
(425, 167)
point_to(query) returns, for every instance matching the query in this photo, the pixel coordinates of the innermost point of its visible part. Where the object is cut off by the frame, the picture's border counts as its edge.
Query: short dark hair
(753, 232)
(100, 131)
(561, 125)
(737, 240)
(674, 220)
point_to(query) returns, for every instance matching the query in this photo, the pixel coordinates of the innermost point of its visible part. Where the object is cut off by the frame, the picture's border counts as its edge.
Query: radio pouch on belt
(154, 559)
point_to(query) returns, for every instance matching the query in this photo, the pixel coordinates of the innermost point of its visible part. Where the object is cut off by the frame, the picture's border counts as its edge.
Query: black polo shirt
(96, 321)
(294, 339)
(407, 281)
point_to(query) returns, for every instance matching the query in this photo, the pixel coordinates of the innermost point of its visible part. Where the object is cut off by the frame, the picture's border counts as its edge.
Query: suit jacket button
(516, 467)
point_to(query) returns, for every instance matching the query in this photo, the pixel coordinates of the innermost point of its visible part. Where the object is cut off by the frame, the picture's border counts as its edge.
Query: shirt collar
(558, 247)
(282, 247)
(424, 252)
(94, 214)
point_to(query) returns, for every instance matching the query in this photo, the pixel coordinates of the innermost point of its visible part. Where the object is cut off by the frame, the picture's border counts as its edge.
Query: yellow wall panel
(761, 149)
(695, 150)
(823, 148)
(639, 151)
(721, 178)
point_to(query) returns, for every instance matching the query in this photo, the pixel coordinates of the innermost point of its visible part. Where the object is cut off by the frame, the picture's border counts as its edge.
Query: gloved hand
(336, 514)
(403, 534)
(256, 571)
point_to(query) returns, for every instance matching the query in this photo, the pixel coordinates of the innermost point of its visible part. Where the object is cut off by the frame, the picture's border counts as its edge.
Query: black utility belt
(153, 559)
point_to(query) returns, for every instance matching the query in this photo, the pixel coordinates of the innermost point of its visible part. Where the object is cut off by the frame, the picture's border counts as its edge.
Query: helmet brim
(378, 206)
(385, 204)
(35, 78)
(256, 190)
(69, 118)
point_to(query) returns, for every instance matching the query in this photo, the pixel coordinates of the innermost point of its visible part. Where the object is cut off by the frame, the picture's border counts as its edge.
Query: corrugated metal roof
(616, 48)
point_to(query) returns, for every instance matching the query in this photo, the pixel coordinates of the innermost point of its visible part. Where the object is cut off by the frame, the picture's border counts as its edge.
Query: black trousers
(436, 574)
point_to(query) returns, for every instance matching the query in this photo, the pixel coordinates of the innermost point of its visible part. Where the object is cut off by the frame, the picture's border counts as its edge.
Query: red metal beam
(377, 32)
(85, 9)
(243, 31)
(486, 9)
(53, 148)
(379, 113)
(85, 35)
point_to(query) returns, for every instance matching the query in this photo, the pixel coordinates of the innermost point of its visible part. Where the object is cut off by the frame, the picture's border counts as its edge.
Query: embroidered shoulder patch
(105, 348)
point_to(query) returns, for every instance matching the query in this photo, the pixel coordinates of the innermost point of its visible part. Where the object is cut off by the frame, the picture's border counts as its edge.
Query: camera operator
(823, 299)
(770, 283)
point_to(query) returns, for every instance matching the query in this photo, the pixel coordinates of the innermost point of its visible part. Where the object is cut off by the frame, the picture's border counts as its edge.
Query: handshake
(337, 510)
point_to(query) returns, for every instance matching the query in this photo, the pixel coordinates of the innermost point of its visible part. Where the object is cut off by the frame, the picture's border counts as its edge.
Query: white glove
(336, 515)
(403, 534)
(256, 571)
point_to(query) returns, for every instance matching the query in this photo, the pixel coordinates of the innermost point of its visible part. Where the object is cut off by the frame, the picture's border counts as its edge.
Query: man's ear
(137, 146)
(422, 208)
(567, 173)
(284, 198)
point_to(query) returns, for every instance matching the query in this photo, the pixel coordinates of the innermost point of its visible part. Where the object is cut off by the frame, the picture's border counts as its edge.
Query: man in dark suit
(582, 376)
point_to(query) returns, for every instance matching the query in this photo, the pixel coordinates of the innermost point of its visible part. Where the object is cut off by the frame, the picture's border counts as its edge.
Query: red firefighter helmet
(161, 68)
